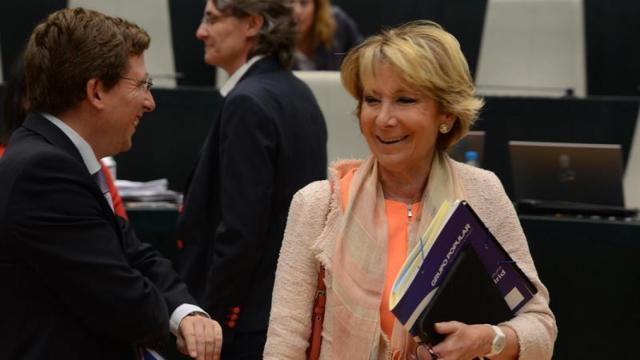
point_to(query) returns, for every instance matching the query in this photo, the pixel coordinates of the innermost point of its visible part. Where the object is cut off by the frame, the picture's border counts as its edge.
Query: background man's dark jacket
(268, 141)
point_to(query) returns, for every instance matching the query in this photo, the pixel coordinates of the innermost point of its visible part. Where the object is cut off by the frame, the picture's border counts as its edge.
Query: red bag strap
(315, 340)
(319, 303)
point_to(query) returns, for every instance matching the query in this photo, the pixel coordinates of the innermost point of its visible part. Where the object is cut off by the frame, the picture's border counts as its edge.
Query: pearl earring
(444, 128)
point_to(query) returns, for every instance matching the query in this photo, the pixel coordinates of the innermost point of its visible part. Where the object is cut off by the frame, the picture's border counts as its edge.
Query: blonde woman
(415, 99)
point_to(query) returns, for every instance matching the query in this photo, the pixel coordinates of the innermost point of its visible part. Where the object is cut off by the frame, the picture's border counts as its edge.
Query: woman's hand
(462, 342)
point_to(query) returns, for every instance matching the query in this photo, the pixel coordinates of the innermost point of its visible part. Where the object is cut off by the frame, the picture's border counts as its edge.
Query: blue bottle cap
(471, 155)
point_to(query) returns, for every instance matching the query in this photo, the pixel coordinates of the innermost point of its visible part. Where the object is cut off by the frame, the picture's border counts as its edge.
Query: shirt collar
(88, 156)
(233, 79)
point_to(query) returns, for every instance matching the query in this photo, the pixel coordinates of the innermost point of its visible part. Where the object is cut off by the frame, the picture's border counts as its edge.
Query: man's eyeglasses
(145, 84)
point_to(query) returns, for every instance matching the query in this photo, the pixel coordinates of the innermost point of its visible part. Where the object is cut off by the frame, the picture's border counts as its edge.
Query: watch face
(498, 343)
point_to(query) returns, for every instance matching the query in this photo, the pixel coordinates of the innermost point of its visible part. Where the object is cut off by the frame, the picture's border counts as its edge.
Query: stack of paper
(155, 190)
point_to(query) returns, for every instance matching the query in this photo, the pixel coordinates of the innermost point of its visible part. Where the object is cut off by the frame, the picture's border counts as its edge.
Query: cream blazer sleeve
(296, 274)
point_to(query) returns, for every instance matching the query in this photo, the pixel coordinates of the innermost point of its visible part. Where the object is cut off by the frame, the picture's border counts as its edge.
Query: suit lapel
(53, 135)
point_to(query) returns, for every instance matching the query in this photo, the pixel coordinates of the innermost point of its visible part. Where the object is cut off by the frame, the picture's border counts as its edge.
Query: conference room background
(594, 299)
(611, 31)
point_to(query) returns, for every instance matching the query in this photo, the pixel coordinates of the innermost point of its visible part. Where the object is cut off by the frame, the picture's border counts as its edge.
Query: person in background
(15, 111)
(76, 281)
(268, 141)
(325, 34)
(415, 99)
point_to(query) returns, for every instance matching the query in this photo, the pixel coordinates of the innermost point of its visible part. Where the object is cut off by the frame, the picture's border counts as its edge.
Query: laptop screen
(582, 173)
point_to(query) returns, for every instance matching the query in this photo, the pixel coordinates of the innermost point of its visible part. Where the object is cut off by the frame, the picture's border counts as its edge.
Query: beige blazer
(312, 226)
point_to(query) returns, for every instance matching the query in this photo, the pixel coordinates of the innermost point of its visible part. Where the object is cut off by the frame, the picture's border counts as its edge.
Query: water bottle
(110, 163)
(471, 158)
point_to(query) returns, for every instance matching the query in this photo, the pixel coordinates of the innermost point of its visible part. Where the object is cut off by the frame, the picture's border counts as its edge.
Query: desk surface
(579, 220)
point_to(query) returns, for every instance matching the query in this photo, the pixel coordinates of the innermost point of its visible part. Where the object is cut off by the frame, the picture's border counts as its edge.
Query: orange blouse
(399, 216)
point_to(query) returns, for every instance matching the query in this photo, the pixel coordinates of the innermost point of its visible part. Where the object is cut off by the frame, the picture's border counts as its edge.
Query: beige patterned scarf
(360, 259)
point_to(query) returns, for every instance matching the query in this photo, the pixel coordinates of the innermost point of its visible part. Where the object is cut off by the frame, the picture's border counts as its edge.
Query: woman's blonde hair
(324, 24)
(427, 59)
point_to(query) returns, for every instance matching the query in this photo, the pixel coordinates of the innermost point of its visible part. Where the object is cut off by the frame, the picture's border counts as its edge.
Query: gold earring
(444, 128)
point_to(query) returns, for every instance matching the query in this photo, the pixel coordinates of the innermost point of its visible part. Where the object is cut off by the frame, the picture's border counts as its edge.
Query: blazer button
(231, 324)
(233, 317)
(179, 244)
(235, 309)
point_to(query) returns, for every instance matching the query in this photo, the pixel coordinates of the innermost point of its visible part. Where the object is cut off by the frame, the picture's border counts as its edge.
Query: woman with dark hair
(15, 111)
(325, 34)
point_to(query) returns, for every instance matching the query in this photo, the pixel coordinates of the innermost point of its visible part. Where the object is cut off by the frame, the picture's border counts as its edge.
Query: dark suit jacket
(268, 141)
(76, 282)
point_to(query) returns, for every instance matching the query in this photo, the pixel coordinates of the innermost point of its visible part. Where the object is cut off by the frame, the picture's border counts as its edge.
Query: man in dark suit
(268, 141)
(76, 281)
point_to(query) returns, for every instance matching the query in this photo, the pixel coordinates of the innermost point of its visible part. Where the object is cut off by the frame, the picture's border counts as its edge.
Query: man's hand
(200, 337)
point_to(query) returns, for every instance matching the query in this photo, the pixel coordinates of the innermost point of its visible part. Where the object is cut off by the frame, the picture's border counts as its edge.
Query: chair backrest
(632, 171)
(345, 140)
(153, 16)
(532, 47)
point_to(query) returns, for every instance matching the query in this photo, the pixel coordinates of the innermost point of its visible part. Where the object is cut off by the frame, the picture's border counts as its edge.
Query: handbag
(320, 300)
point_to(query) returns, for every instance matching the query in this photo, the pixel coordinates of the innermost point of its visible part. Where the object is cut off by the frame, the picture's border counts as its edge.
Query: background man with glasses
(268, 141)
(77, 283)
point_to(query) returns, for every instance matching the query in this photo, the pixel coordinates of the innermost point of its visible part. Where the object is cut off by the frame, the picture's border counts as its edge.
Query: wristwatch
(498, 343)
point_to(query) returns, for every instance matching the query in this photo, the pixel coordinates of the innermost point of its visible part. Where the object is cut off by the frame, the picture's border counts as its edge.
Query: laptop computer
(568, 178)
(473, 141)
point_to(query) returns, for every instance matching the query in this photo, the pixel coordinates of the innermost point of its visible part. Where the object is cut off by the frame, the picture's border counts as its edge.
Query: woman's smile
(390, 141)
